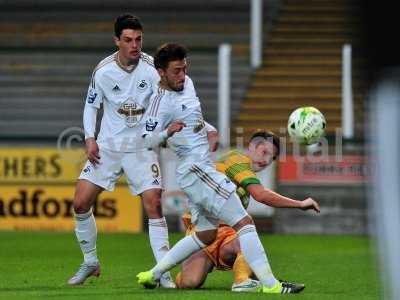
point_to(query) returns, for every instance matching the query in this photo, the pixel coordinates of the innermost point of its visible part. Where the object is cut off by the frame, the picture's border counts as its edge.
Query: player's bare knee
(81, 204)
(189, 280)
(243, 222)
(85, 196)
(190, 283)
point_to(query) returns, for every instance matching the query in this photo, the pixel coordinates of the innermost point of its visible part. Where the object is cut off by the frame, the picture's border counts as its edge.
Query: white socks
(255, 256)
(86, 233)
(178, 253)
(158, 234)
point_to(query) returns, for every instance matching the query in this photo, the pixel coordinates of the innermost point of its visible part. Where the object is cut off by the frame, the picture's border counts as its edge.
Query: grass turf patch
(37, 265)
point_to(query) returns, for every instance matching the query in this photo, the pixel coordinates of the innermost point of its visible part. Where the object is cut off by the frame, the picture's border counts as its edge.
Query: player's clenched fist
(310, 203)
(92, 151)
(174, 127)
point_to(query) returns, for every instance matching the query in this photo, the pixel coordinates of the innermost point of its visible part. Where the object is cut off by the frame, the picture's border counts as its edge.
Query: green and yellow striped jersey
(237, 166)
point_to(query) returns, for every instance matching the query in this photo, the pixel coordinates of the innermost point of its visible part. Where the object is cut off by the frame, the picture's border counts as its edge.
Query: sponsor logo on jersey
(91, 96)
(184, 107)
(142, 85)
(86, 170)
(156, 182)
(151, 125)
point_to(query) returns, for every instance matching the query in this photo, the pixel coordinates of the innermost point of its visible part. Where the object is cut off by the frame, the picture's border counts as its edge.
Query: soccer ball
(306, 125)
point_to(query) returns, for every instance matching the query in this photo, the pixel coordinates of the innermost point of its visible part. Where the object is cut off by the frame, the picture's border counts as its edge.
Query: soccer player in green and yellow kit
(224, 253)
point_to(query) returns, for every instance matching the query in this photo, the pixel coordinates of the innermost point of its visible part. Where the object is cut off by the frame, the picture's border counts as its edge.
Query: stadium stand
(49, 48)
(302, 66)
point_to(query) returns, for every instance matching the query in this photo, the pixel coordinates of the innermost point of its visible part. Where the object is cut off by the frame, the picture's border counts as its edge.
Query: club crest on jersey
(91, 96)
(151, 125)
(132, 112)
(142, 85)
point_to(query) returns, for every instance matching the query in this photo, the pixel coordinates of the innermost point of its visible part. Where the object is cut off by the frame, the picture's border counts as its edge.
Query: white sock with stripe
(255, 256)
(86, 233)
(158, 235)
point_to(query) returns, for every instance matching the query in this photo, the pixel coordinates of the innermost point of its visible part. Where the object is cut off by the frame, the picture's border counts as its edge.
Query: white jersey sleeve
(209, 127)
(89, 120)
(94, 98)
(94, 94)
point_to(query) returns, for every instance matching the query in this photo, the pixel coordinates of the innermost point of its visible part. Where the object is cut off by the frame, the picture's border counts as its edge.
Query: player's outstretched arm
(271, 198)
(310, 203)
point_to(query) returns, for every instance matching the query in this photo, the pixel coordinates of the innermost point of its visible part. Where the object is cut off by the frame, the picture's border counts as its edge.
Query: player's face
(130, 44)
(262, 155)
(173, 77)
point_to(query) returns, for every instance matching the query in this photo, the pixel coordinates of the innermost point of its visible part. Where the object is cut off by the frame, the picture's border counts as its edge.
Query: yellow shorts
(225, 235)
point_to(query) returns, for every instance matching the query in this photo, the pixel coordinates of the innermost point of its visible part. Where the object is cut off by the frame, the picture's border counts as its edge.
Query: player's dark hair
(261, 136)
(167, 53)
(126, 21)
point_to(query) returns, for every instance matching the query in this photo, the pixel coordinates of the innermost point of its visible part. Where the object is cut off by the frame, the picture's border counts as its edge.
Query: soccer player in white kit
(175, 116)
(123, 83)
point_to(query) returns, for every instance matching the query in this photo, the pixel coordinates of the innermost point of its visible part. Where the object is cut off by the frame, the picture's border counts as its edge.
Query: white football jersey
(190, 144)
(125, 96)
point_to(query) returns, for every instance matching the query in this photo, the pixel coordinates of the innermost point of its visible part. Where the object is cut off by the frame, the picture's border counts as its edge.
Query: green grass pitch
(37, 265)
